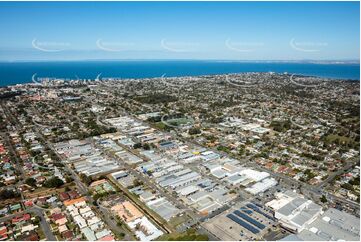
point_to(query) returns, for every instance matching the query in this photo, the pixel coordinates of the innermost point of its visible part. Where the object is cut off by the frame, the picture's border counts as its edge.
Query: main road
(43, 223)
(84, 190)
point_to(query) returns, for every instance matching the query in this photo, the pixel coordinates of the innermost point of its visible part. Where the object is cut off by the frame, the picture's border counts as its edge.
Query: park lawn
(189, 235)
(343, 139)
(175, 221)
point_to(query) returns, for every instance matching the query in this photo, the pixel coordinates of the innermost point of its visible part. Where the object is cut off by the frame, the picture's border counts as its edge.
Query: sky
(180, 30)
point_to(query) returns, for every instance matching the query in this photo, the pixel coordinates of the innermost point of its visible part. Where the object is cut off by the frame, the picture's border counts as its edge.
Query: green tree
(53, 182)
(86, 179)
(137, 146)
(7, 194)
(194, 131)
(146, 146)
(30, 181)
(323, 199)
(37, 220)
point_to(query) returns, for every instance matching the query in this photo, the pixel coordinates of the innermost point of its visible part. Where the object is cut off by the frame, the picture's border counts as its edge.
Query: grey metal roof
(291, 193)
(291, 206)
(333, 225)
(291, 237)
(307, 214)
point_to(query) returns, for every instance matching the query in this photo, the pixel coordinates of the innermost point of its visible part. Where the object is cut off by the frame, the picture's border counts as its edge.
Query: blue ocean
(22, 72)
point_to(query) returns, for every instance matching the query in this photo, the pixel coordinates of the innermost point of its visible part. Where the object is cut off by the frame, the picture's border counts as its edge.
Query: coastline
(186, 76)
(12, 73)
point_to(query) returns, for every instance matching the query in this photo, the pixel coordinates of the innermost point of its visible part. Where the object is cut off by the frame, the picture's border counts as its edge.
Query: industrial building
(243, 222)
(163, 207)
(261, 186)
(333, 225)
(293, 211)
(85, 158)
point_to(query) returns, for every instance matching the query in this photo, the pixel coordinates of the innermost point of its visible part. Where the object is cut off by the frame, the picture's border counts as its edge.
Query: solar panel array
(250, 205)
(249, 219)
(248, 222)
(245, 210)
(242, 223)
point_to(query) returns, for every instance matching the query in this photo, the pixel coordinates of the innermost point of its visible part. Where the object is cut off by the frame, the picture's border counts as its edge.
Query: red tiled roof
(3, 237)
(57, 216)
(28, 203)
(33, 236)
(24, 217)
(67, 234)
(3, 230)
(64, 196)
(107, 238)
(73, 194)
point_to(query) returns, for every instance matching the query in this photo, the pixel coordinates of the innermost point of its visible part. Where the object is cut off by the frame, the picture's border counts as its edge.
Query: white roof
(152, 231)
(80, 221)
(188, 190)
(253, 174)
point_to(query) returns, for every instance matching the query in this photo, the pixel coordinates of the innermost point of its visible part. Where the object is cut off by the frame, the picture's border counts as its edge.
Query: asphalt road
(108, 217)
(309, 190)
(43, 223)
(84, 189)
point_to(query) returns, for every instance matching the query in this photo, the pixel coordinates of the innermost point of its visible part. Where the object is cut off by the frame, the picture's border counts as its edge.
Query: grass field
(189, 235)
(342, 139)
(175, 221)
(178, 121)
